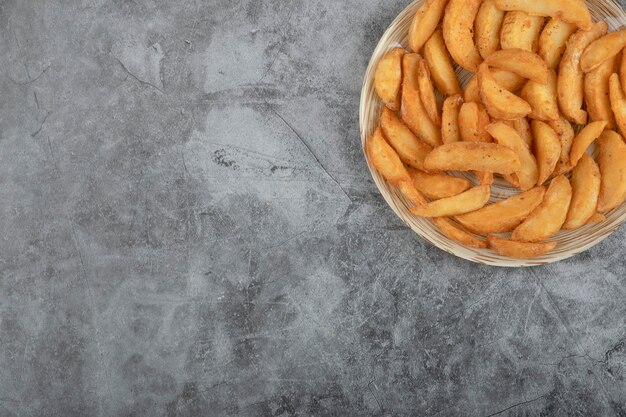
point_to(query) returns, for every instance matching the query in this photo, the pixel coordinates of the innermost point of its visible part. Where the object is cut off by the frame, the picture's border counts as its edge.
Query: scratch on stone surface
(517, 405)
(36, 99)
(35, 133)
(30, 80)
(282, 46)
(137, 78)
(310, 150)
(369, 387)
(284, 242)
(530, 307)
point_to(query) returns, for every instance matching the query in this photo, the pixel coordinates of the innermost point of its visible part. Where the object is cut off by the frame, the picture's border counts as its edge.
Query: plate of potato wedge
(495, 128)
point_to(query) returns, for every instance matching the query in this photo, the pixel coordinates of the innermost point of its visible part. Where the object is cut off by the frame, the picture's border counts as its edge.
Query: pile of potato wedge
(542, 70)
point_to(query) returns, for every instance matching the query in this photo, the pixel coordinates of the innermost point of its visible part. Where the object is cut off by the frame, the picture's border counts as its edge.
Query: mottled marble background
(188, 228)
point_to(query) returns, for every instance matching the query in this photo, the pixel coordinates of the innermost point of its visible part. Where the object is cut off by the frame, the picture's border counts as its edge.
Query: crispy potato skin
(437, 185)
(473, 119)
(425, 22)
(456, 233)
(524, 63)
(596, 89)
(585, 191)
(427, 92)
(450, 119)
(440, 65)
(618, 102)
(521, 31)
(585, 138)
(506, 135)
(522, 127)
(500, 103)
(388, 78)
(553, 39)
(487, 28)
(458, 32)
(506, 79)
(547, 149)
(542, 98)
(602, 49)
(504, 215)
(473, 156)
(571, 11)
(570, 81)
(565, 132)
(520, 250)
(467, 201)
(612, 170)
(411, 150)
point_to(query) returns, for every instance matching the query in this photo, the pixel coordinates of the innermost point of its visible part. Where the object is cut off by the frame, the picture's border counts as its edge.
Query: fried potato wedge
(512, 180)
(484, 177)
(542, 98)
(547, 149)
(522, 127)
(622, 71)
(487, 28)
(613, 171)
(470, 200)
(437, 185)
(440, 65)
(473, 119)
(504, 134)
(387, 162)
(552, 41)
(427, 92)
(450, 131)
(602, 49)
(524, 63)
(596, 88)
(506, 79)
(456, 233)
(585, 191)
(388, 78)
(571, 11)
(521, 30)
(504, 215)
(411, 150)
(500, 103)
(546, 220)
(571, 77)
(585, 138)
(413, 112)
(565, 132)
(618, 102)
(425, 22)
(596, 218)
(458, 32)
(473, 156)
(519, 250)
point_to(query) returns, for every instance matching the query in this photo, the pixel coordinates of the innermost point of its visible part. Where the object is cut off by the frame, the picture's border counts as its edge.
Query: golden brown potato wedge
(473, 156)
(450, 119)
(386, 161)
(552, 41)
(571, 11)
(546, 220)
(522, 127)
(524, 63)
(413, 112)
(565, 132)
(519, 250)
(458, 32)
(427, 92)
(602, 49)
(512, 180)
(500, 103)
(618, 102)
(456, 233)
(473, 119)
(521, 30)
(571, 77)
(506, 79)
(440, 65)
(622, 71)
(438, 185)
(425, 22)
(487, 28)
(411, 150)
(505, 135)
(596, 218)
(585, 191)
(613, 170)
(484, 177)
(597, 97)
(470, 200)
(542, 98)
(547, 149)
(585, 138)
(388, 78)
(504, 215)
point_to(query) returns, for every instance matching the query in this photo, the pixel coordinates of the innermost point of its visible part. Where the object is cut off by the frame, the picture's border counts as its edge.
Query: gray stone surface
(188, 228)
